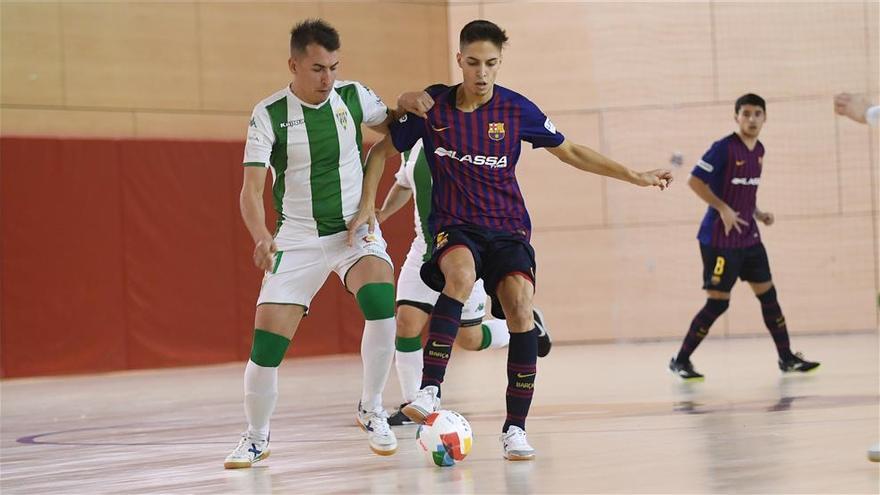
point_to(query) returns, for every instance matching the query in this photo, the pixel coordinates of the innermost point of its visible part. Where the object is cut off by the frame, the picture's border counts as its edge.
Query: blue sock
(442, 329)
(522, 356)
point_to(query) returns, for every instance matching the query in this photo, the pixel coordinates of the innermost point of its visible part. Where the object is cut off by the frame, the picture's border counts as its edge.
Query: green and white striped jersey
(314, 153)
(415, 175)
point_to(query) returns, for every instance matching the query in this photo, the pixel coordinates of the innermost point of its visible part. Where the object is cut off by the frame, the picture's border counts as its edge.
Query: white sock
(500, 333)
(260, 394)
(377, 351)
(409, 372)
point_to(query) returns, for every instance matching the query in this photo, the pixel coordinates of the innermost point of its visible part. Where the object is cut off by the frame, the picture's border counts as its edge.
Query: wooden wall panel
(625, 283)
(586, 55)
(872, 23)
(824, 271)
(190, 126)
(30, 50)
(131, 55)
(854, 161)
(645, 140)
(558, 195)
(800, 175)
(66, 123)
(399, 50)
(790, 48)
(244, 47)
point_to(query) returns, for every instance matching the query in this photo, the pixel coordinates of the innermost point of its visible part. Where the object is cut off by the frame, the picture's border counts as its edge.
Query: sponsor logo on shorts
(715, 280)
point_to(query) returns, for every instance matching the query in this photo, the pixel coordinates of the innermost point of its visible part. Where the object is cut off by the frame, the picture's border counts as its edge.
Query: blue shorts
(496, 255)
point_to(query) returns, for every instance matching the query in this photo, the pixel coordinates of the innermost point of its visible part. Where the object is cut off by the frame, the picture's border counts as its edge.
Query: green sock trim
(376, 301)
(487, 337)
(408, 344)
(268, 348)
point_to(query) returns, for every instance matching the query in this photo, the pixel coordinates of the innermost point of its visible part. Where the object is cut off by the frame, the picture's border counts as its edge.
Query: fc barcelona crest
(496, 131)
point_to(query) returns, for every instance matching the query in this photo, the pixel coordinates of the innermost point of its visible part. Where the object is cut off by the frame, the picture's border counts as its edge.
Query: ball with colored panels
(445, 437)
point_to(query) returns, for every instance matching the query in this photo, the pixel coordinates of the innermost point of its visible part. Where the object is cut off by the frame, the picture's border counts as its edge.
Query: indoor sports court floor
(606, 419)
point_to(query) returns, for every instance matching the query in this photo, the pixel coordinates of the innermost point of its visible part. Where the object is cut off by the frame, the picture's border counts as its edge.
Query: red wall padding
(132, 254)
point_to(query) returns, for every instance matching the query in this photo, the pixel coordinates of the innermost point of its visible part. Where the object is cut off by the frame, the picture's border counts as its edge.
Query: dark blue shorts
(721, 267)
(496, 255)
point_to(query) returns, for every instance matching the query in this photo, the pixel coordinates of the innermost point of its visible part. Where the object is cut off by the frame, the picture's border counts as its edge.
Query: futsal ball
(445, 437)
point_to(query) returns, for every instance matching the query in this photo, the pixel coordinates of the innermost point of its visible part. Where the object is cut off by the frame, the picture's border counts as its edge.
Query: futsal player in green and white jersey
(309, 136)
(415, 299)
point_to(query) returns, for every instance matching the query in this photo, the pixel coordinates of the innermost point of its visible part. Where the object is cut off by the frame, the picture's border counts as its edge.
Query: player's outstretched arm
(729, 216)
(254, 216)
(583, 158)
(394, 201)
(373, 169)
(856, 107)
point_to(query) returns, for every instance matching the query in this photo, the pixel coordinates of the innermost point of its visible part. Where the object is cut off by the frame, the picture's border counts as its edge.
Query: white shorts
(411, 288)
(300, 271)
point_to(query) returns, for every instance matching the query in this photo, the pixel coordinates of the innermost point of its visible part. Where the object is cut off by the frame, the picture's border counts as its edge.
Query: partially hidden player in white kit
(309, 135)
(415, 299)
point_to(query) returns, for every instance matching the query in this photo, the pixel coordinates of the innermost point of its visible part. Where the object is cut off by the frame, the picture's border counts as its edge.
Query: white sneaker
(375, 423)
(516, 446)
(425, 403)
(251, 448)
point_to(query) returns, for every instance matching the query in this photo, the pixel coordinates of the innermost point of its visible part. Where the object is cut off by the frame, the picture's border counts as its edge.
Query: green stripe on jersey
(350, 97)
(422, 179)
(278, 159)
(325, 182)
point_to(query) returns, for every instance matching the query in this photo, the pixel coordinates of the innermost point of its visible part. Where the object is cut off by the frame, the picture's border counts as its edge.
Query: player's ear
(458, 59)
(291, 65)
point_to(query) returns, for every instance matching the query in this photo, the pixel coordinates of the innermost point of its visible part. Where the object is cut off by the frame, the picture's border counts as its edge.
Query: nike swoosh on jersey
(439, 129)
(740, 163)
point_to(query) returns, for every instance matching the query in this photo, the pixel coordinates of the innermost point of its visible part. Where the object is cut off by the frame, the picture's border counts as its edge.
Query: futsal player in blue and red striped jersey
(472, 135)
(727, 179)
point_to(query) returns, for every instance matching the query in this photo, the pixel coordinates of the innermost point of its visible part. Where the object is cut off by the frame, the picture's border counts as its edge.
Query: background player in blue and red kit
(727, 178)
(472, 133)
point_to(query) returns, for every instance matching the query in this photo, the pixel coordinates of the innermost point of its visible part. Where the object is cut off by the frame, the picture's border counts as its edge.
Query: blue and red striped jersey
(473, 156)
(733, 172)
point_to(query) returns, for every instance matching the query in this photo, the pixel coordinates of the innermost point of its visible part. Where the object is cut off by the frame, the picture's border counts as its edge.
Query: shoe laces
(378, 422)
(244, 445)
(515, 438)
(429, 391)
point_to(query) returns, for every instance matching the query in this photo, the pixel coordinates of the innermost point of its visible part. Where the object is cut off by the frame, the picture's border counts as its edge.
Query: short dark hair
(481, 30)
(750, 99)
(313, 31)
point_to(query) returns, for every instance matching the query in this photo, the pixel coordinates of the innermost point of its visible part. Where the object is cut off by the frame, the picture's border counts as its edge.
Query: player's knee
(717, 306)
(459, 282)
(470, 337)
(768, 296)
(376, 301)
(407, 326)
